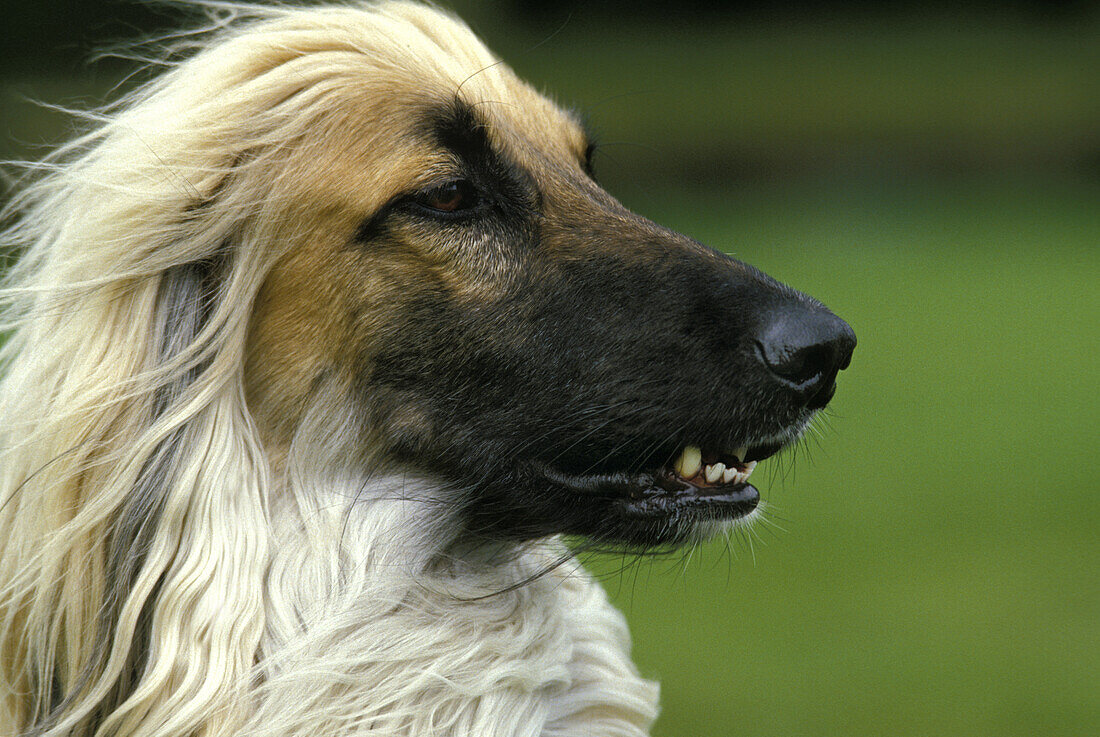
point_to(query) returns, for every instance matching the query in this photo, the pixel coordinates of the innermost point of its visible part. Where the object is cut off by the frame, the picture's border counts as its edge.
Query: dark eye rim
(476, 201)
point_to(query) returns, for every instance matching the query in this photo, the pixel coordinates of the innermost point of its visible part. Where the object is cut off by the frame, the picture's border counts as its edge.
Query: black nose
(804, 346)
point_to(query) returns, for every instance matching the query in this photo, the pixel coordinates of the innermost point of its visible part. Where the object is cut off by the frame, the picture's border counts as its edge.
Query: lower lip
(718, 502)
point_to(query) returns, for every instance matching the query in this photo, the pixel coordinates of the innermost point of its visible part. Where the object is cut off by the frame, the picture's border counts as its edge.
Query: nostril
(793, 363)
(806, 347)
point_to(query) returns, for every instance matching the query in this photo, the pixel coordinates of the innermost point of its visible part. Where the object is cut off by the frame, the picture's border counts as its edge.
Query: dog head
(474, 308)
(347, 244)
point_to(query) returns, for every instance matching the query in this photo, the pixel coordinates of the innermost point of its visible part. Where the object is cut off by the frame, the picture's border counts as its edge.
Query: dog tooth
(741, 453)
(689, 462)
(748, 468)
(729, 475)
(714, 472)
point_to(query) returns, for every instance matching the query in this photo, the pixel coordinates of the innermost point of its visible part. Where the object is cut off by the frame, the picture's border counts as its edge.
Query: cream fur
(166, 571)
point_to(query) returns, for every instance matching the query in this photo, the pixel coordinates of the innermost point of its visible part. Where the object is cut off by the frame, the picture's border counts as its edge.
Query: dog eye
(453, 197)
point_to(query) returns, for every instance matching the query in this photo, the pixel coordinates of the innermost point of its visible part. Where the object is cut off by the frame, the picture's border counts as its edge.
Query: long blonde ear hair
(133, 531)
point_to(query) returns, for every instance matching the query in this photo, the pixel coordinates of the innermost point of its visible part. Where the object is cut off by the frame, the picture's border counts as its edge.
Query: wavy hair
(157, 577)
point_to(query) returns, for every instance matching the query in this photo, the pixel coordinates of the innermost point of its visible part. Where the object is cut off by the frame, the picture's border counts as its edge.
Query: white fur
(327, 599)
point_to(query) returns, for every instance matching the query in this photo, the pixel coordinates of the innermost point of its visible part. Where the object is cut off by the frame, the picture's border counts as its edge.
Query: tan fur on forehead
(395, 68)
(386, 68)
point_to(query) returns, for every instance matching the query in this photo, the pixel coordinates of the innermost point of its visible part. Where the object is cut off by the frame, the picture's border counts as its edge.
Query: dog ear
(195, 515)
(157, 608)
(187, 294)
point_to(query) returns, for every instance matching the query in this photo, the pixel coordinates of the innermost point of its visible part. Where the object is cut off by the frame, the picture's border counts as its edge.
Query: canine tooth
(689, 462)
(729, 475)
(748, 468)
(741, 453)
(714, 472)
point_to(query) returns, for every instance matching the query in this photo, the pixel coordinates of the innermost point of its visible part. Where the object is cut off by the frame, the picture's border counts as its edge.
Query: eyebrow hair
(458, 128)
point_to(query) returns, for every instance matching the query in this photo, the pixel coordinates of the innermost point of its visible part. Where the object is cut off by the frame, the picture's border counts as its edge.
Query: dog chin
(706, 530)
(676, 531)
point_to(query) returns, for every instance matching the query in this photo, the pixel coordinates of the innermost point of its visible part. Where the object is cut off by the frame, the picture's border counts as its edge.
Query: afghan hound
(317, 344)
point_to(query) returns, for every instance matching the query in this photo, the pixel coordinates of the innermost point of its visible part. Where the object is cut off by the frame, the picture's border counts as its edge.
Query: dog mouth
(699, 483)
(704, 471)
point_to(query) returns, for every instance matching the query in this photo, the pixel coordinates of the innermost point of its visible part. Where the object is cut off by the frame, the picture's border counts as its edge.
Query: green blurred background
(929, 561)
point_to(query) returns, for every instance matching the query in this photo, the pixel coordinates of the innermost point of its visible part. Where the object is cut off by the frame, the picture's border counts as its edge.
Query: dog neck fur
(368, 635)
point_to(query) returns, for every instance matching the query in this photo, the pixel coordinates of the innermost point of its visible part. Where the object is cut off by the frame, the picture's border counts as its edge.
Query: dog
(319, 343)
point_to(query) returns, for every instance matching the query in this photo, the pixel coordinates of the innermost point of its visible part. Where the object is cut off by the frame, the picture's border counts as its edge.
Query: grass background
(929, 562)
